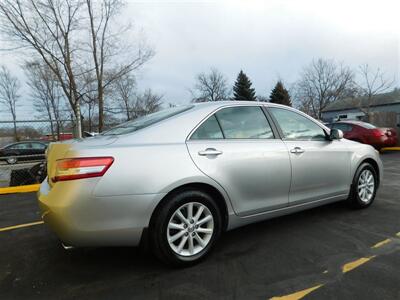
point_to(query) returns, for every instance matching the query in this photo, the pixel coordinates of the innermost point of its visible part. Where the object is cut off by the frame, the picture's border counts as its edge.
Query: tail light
(377, 132)
(82, 167)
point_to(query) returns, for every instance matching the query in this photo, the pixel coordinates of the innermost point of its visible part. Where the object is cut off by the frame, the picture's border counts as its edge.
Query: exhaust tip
(67, 247)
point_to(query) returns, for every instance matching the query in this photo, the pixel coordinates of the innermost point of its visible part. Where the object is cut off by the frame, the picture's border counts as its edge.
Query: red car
(367, 133)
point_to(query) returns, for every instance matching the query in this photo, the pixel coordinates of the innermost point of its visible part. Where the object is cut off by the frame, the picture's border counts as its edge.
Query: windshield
(147, 120)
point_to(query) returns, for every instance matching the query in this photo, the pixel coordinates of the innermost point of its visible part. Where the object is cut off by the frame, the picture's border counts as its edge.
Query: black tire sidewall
(355, 198)
(158, 230)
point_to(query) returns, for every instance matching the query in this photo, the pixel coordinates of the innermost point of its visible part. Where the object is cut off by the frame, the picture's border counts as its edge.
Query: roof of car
(236, 102)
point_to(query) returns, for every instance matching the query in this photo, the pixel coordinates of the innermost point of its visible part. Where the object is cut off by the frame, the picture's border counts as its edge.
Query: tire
(11, 160)
(357, 199)
(162, 235)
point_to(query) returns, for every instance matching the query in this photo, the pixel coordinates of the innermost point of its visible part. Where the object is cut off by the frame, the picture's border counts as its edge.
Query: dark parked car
(367, 133)
(23, 151)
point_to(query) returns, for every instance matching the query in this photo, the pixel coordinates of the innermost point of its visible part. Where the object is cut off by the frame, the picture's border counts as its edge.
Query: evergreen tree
(242, 89)
(280, 95)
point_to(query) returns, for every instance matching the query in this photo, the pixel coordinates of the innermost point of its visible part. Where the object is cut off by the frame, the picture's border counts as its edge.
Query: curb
(20, 189)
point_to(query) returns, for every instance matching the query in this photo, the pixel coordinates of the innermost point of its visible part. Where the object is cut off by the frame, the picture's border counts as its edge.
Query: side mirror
(336, 134)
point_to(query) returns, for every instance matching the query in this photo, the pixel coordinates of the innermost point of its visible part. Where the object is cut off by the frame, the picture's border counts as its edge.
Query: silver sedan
(180, 177)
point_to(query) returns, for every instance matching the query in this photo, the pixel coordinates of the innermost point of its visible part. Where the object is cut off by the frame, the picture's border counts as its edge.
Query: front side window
(297, 127)
(244, 122)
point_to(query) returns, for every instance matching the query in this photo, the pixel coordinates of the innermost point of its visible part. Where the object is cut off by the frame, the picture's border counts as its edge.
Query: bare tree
(321, 83)
(106, 44)
(372, 83)
(48, 27)
(53, 31)
(210, 86)
(125, 94)
(9, 86)
(146, 103)
(46, 93)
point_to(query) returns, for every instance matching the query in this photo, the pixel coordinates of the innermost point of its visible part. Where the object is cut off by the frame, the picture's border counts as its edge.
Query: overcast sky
(267, 39)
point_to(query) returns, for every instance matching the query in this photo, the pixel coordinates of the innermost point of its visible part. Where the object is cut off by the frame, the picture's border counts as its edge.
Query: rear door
(320, 167)
(237, 147)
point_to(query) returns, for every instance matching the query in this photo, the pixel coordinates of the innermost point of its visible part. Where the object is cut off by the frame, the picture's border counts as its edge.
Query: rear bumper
(80, 219)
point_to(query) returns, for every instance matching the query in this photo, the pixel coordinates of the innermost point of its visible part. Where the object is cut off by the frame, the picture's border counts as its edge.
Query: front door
(320, 167)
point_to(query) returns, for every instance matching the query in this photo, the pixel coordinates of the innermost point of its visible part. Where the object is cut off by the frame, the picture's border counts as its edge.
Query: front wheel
(364, 186)
(185, 228)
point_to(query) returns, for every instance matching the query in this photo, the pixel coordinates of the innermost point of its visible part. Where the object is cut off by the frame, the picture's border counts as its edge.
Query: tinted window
(38, 146)
(20, 146)
(342, 126)
(297, 127)
(208, 130)
(244, 122)
(147, 120)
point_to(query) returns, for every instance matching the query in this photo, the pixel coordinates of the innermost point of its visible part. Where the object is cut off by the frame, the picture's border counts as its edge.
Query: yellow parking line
(391, 149)
(20, 189)
(297, 295)
(21, 226)
(380, 244)
(355, 264)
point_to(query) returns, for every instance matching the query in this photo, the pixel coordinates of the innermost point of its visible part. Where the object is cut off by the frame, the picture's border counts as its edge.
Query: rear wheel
(365, 184)
(185, 228)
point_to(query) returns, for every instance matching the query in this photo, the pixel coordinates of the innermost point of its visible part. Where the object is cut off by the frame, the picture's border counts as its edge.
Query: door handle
(297, 150)
(210, 151)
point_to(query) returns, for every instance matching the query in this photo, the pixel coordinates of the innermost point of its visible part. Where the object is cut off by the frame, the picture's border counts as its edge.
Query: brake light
(82, 167)
(377, 132)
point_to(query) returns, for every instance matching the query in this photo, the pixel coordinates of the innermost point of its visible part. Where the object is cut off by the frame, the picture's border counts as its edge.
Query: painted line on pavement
(297, 295)
(350, 266)
(21, 226)
(380, 244)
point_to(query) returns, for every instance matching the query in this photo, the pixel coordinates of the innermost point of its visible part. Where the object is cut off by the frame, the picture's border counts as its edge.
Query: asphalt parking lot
(332, 252)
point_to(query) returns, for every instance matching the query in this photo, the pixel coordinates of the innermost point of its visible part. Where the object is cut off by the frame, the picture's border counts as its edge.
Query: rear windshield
(367, 125)
(147, 120)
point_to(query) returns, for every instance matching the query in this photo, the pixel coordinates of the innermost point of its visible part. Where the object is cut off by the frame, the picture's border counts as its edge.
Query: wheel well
(209, 189)
(374, 164)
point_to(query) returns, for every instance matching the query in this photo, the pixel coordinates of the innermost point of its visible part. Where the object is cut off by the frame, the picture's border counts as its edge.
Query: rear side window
(209, 130)
(244, 122)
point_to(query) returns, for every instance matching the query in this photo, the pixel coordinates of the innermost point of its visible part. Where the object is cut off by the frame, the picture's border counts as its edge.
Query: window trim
(275, 133)
(282, 136)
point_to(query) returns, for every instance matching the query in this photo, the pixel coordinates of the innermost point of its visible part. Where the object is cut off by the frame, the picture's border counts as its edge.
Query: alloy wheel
(366, 186)
(190, 229)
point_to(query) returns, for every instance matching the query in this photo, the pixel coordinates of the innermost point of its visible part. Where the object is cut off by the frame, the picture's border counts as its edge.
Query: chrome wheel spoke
(204, 220)
(176, 236)
(175, 226)
(200, 240)
(181, 244)
(205, 230)
(191, 245)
